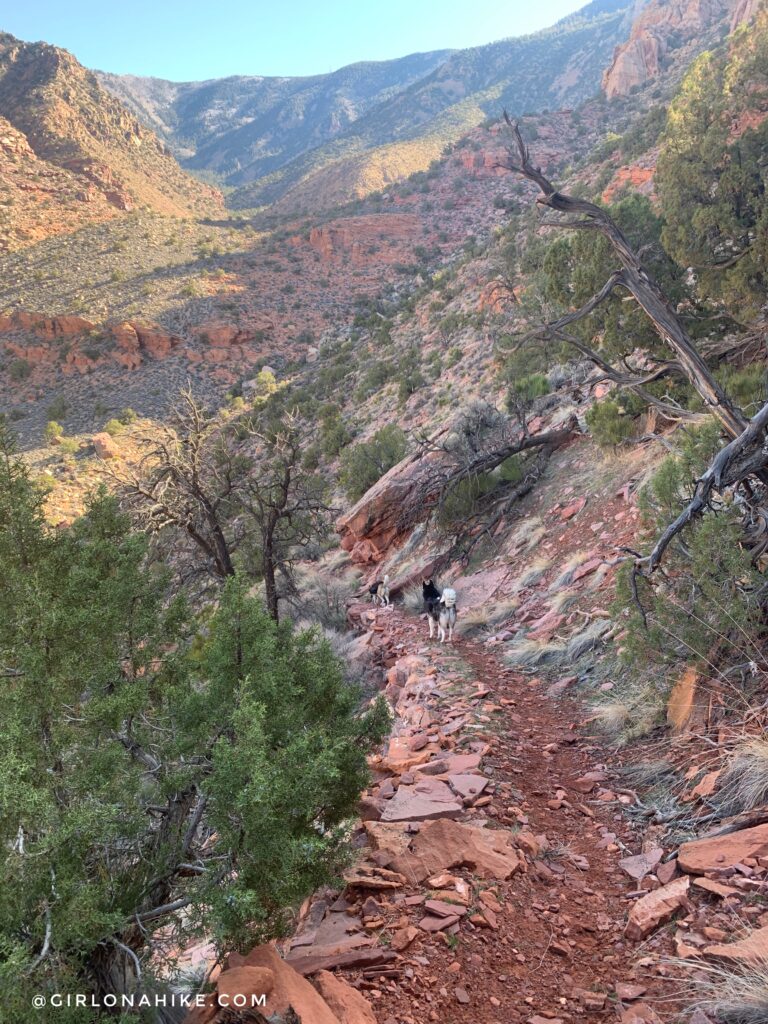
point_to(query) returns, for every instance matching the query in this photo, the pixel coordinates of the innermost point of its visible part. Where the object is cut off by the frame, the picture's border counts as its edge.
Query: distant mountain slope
(245, 127)
(102, 155)
(369, 124)
(559, 67)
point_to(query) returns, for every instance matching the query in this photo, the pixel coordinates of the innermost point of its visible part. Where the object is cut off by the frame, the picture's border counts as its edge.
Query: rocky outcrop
(631, 178)
(262, 982)
(658, 907)
(45, 328)
(661, 28)
(358, 239)
(377, 522)
(744, 11)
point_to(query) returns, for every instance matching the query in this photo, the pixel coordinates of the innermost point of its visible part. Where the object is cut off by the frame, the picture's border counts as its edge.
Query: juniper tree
(157, 779)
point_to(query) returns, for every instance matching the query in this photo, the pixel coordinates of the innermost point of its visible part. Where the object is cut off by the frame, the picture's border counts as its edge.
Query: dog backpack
(374, 588)
(449, 598)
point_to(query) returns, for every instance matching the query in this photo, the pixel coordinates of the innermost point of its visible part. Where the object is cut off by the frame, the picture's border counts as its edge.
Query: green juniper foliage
(706, 608)
(122, 716)
(365, 463)
(711, 184)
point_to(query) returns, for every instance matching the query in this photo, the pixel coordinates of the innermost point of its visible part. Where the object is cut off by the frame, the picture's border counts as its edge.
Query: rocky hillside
(73, 154)
(667, 32)
(320, 140)
(248, 126)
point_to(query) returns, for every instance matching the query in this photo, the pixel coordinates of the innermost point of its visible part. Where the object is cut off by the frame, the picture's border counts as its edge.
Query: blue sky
(198, 39)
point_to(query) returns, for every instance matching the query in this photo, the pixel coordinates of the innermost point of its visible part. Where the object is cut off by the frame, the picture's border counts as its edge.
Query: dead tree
(631, 275)
(746, 453)
(186, 481)
(284, 502)
(238, 493)
(471, 449)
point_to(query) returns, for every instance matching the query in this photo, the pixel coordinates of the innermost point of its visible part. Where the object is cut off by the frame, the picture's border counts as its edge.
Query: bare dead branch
(744, 456)
(636, 279)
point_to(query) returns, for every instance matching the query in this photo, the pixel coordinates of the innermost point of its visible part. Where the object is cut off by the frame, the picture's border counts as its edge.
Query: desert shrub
(265, 385)
(379, 373)
(745, 385)
(58, 408)
(334, 433)
(19, 369)
(114, 427)
(611, 420)
(463, 501)
(411, 378)
(710, 597)
(127, 416)
(511, 470)
(53, 431)
(365, 463)
(236, 726)
(523, 392)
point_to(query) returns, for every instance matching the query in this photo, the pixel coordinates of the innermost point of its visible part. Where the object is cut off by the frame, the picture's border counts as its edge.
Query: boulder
(105, 445)
(378, 517)
(751, 951)
(243, 982)
(657, 908)
(641, 864)
(428, 799)
(289, 989)
(349, 1005)
(702, 855)
(640, 1013)
(443, 844)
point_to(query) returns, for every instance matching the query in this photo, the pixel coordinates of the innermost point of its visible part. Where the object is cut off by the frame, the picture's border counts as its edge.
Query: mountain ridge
(448, 93)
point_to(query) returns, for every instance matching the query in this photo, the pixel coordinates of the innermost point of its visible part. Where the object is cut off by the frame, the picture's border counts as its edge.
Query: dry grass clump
(630, 715)
(563, 601)
(565, 576)
(321, 599)
(586, 639)
(732, 993)
(528, 533)
(533, 573)
(744, 782)
(536, 653)
(413, 598)
(612, 717)
(339, 560)
(470, 622)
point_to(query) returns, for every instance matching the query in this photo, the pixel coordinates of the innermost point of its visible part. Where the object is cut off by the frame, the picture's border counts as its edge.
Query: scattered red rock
(657, 908)
(722, 852)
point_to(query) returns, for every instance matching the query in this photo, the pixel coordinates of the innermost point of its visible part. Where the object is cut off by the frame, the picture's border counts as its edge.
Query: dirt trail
(558, 950)
(487, 887)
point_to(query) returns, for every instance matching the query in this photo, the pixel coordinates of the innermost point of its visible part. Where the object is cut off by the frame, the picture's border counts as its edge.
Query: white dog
(379, 592)
(447, 619)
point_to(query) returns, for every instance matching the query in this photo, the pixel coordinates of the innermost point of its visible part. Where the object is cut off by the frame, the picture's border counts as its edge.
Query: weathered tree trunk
(268, 571)
(636, 279)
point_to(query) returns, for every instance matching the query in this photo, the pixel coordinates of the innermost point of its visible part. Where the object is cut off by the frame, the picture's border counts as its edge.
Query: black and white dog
(379, 592)
(440, 607)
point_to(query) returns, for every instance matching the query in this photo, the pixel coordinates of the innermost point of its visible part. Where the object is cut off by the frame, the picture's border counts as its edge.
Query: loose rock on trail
(488, 886)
